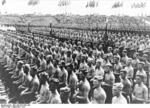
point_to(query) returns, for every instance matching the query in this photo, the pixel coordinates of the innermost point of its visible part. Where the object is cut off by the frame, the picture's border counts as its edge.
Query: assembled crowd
(38, 69)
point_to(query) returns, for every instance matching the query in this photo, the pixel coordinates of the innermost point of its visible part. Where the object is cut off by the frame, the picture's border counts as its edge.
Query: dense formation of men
(39, 69)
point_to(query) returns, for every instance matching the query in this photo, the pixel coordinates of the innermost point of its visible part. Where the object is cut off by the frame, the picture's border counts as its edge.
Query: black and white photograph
(74, 52)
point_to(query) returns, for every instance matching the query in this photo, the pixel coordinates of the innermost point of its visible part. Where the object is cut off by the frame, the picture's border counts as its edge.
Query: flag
(3, 2)
(33, 2)
(105, 37)
(91, 4)
(138, 5)
(117, 4)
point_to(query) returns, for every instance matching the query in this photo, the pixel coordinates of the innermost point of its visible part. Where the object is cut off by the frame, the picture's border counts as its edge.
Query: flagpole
(105, 35)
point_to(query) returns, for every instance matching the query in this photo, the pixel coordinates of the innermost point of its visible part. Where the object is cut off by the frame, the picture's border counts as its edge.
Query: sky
(76, 7)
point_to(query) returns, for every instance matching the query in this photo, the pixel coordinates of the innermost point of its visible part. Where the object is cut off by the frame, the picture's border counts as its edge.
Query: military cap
(145, 55)
(99, 78)
(124, 50)
(118, 86)
(124, 71)
(65, 90)
(141, 63)
(108, 64)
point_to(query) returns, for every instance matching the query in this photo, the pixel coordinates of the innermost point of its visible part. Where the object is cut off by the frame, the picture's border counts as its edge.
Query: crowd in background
(93, 21)
(39, 69)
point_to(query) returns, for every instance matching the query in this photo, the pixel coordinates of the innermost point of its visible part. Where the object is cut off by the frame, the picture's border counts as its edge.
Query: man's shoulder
(136, 86)
(124, 100)
(114, 98)
(148, 63)
(145, 87)
(65, 71)
(128, 82)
